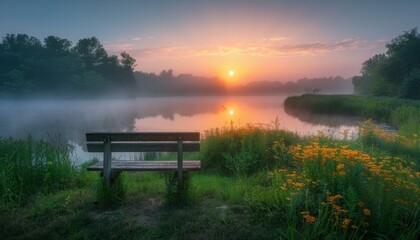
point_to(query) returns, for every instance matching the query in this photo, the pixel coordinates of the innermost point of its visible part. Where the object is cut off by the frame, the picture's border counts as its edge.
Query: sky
(260, 40)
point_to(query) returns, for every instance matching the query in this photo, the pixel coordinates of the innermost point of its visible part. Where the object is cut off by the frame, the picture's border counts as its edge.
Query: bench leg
(181, 180)
(112, 177)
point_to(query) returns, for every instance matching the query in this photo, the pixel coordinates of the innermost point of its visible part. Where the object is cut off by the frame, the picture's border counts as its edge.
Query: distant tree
(127, 61)
(27, 66)
(411, 85)
(57, 46)
(21, 43)
(91, 51)
(385, 74)
(361, 85)
(167, 74)
(89, 82)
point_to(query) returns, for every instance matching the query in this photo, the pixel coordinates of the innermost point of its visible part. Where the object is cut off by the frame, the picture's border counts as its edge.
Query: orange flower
(366, 212)
(345, 223)
(340, 166)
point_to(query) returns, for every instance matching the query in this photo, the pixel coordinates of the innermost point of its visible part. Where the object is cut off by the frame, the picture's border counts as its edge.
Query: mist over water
(70, 120)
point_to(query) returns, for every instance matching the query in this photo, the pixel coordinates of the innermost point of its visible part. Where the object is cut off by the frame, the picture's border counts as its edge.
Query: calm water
(69, 120)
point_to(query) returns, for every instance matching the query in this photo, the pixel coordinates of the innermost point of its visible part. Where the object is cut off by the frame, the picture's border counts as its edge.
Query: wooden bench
(108, 143)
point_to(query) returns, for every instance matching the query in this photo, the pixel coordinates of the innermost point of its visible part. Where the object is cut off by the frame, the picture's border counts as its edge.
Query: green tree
(387, 74)
(91, 51)
(57, 46)
(411, 85)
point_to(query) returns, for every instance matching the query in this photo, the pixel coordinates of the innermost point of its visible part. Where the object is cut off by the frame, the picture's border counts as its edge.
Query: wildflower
(366, 212)
(308, 218)
(340, 166)
(333, 198)
(345, 223)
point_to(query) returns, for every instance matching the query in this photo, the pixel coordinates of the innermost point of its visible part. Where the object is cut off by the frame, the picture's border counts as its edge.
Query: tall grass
(28, 167)
(242, 151)
(321, 188)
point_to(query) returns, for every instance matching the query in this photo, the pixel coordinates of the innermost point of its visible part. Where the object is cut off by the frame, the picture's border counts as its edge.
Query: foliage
(242, 151)
(312, 188)
(178, 195)
(29, 67)
(112, 194)
(349, 192)
(28, 167)
(319, 188)
(411, 85)
(394, 73)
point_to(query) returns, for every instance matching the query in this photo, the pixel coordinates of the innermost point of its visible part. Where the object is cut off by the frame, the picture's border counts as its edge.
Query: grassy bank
(402, 114)
(255, 184)
(29, 167)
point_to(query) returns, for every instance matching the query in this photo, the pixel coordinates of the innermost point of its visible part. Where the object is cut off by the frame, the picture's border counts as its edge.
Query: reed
(29, 166)
(242, 151)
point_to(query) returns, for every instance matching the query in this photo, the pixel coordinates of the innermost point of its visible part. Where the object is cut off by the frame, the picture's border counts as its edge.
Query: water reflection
(71, 119)
(329, 120)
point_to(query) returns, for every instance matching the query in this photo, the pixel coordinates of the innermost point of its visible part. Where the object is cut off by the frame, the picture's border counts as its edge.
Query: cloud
(271, 47)
(117, 48)
(162, 52)
(266, 47)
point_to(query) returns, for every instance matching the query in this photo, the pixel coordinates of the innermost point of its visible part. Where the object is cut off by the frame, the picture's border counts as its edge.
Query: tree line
(55, 67)
(395, 73)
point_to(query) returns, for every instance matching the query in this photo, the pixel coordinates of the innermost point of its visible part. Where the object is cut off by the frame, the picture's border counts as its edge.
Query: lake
(69, 120)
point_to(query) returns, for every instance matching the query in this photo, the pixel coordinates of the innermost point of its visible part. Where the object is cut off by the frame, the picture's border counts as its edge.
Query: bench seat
(122, 165)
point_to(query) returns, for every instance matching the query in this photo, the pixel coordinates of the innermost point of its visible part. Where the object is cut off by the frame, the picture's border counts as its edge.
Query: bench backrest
(144, 141)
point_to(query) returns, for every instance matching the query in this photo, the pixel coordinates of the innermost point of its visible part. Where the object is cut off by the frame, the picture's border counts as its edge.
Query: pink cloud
(270, 47)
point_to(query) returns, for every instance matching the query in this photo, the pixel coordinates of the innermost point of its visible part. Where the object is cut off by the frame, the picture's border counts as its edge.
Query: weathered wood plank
(180, 163)
(144, 136)
(121, 165)
(107, 160)
(144, 147)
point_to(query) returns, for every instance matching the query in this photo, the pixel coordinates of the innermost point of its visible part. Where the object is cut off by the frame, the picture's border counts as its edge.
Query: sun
(231, 73)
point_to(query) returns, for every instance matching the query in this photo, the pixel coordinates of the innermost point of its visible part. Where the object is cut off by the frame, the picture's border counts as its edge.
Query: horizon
(258, 41)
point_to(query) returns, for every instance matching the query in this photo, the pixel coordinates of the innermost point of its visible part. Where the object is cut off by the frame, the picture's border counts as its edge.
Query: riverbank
(255, 184)
(399, 113)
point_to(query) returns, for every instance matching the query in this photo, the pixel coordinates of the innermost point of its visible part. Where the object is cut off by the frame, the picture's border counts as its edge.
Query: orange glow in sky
(260, 40)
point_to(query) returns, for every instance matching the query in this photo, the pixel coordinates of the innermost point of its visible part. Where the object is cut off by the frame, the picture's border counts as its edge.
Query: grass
(29, 167)
(402, 114)
(255, 184)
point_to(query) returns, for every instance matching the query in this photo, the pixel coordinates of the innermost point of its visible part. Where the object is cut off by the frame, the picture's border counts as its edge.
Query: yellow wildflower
(345, 223)
(340, 166)
(366, 212)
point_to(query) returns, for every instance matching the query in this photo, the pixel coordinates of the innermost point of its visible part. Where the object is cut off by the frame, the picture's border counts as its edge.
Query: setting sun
(231, 112)
(231, 73)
